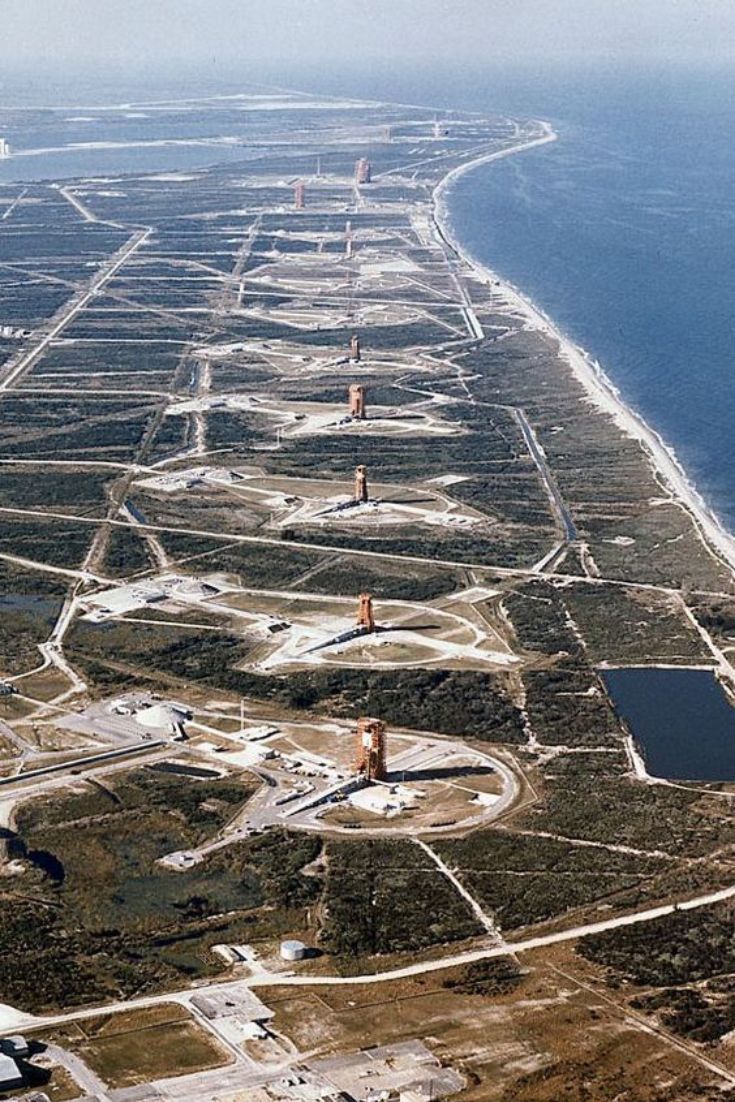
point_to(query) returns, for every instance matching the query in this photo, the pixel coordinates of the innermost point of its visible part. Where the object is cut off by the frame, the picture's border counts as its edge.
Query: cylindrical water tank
(293, 950)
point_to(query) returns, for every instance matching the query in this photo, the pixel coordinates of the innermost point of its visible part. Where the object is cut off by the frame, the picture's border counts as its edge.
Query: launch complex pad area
(313, 555)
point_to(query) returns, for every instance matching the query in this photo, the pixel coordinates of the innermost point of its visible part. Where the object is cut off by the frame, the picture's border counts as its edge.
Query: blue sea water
(623, 231)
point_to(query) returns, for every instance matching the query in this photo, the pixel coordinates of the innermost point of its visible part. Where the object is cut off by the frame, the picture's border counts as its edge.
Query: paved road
(484, 919)
(82, 1075)
(79, 206)
(12, 1019)
(539, 457)
(514, 947)
(70, 311)
(350, 552)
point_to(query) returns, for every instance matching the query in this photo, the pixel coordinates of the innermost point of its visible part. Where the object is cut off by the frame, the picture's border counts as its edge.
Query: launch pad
(291, 631)
(343, 776)
(298, 418)
(287, 630)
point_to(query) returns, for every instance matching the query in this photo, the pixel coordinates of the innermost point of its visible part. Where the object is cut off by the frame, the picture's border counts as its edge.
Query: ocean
(623, 231)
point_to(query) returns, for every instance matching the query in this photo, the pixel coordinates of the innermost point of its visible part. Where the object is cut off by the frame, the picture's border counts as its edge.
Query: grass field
(140, 1045)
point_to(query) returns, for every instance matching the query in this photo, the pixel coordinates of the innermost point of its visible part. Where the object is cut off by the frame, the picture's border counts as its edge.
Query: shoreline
(599, 388)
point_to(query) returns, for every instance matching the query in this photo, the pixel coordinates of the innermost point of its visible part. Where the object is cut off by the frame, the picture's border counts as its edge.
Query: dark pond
(29, 602)
(185, 770)
(41, 858)
(681, 720)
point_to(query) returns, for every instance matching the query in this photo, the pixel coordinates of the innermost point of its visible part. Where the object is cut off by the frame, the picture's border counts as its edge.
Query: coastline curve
(599, 388)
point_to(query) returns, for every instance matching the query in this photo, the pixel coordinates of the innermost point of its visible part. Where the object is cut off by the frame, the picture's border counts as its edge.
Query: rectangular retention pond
(681, 720)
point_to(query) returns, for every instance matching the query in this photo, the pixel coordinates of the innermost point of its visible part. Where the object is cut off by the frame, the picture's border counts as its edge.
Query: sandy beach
(599, 388)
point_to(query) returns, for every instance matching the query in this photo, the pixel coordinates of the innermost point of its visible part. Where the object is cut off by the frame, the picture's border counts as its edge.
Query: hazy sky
(223, 31)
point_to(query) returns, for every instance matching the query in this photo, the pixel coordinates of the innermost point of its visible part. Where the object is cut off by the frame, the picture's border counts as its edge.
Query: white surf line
(600, 389)
(436, 158)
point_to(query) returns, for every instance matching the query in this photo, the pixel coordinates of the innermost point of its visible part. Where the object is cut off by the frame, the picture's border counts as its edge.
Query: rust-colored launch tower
(363, 171)
(361, 484)
(299, 195)
(357, 401)
(365, 614)
(355, 352)
(371, 756)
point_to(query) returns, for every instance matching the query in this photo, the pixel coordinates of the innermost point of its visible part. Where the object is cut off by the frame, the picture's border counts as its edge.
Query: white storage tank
(293, 950)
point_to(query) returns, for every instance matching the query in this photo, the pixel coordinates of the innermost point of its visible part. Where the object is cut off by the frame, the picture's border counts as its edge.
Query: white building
(4, 148)
(10, 1075)
(169, 718)
(385, 799)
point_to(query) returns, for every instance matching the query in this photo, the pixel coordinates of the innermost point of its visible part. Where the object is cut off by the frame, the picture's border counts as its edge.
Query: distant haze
(220, 33)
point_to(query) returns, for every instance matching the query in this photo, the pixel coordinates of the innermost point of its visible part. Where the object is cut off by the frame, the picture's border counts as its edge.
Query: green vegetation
(126, 553)
(522, 879)
(258, 566)
(632, 626)
(508, 547)
(540, 619)
(704, 1013)
(29, 605)
(76, 431)
(56, 542)
(717, 615)
(623, 811)
(689, 955)
(683, 947)
(391, 581)
(387, 897)
(35, 487)
(103, 919)
(95, 911)
(567, 706)
(466, 702)
(489, 978)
